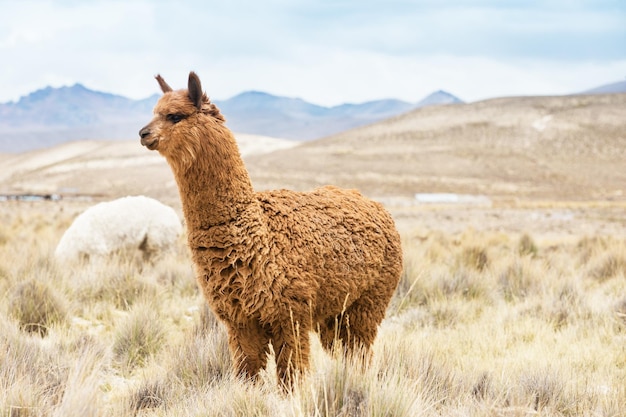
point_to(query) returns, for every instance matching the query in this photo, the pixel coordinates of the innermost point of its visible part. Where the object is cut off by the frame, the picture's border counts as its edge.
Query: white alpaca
(125, 224)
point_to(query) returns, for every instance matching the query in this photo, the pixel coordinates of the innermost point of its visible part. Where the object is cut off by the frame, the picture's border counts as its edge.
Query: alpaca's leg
(354, 328)
(291, 343)
(249, 348)
(347, 333)
(359, 323)
(330, 332)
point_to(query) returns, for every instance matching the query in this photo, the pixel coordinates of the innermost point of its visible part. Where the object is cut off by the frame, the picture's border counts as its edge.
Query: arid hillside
(569, 148)
(557, 148)
(104, 169)
(546, 165)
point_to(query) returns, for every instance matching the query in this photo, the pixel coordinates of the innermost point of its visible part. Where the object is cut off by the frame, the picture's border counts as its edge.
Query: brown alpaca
(273, 265)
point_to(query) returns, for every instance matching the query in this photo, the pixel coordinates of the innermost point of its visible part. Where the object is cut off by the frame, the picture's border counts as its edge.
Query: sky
(323, 51)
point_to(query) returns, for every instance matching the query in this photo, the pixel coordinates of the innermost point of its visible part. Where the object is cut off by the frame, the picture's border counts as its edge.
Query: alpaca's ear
(195, 90)
(164, 86)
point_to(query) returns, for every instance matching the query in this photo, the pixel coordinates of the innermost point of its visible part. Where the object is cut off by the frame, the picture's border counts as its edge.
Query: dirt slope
(570, 147)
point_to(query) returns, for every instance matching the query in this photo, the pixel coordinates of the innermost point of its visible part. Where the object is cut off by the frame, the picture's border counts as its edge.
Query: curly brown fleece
(273, 265)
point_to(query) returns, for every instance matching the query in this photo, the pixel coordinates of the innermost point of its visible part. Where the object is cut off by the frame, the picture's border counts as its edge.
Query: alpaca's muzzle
(146, 139)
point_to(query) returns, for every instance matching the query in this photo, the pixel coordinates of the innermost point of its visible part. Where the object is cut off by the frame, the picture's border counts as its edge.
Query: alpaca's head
(182, 121)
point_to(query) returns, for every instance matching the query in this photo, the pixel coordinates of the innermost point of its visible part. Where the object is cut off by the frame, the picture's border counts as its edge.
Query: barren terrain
(547, 165)
(557, 148)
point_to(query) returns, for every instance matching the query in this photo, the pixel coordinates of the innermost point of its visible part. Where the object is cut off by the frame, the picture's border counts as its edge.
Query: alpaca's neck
(215, 186)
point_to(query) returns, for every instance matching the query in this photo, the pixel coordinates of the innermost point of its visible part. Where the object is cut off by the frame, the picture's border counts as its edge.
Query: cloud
(326, 52)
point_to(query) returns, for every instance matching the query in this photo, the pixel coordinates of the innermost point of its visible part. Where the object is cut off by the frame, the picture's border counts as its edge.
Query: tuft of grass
(340, 391)
(527, 246)
(122, 287)
(620, 310)
(519, 280)
(464, 283)
(588, 247)
(176, 277)
(4, 237)
(409, 290)
(32, 378)
(81, 394)
(483, 388)
(566, 307)
(438, 379)
(542, 391)
(610, 266)
(138, 338)
(37, 307)
(248, 402)
(202, 359)
(207, 323)
(149, 395)
(475, 257)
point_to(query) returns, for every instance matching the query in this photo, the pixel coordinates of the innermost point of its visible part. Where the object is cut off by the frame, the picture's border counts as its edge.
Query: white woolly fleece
(123, 224)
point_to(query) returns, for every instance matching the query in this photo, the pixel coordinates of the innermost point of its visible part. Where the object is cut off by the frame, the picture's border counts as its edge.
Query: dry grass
(482, 324)
(35, 306)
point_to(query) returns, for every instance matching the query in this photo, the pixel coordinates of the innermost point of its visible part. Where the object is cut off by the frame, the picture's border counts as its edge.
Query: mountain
(617, 87)
(51, 116)
(293, 118)
(67, 107)
(55, 115)
(437, 98)
(260, 113)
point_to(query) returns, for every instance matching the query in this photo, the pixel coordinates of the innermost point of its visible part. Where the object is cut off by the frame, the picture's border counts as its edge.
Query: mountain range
(51, 116)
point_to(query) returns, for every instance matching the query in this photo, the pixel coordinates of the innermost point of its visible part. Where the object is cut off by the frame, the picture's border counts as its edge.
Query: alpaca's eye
(174, 118)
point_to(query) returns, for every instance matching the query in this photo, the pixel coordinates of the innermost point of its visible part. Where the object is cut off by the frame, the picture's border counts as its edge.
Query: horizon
(78, 84)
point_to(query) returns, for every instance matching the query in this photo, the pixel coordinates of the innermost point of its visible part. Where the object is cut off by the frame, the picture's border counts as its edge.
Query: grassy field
(484, 323)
